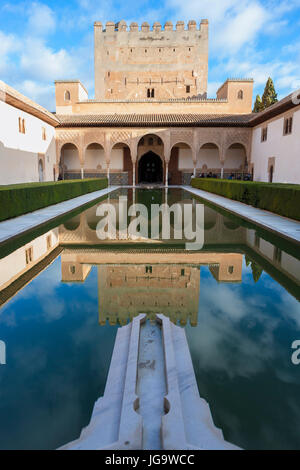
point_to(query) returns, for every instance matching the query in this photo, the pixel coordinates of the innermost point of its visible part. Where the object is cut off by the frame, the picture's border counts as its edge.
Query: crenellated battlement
(121, 26)
(139, 61)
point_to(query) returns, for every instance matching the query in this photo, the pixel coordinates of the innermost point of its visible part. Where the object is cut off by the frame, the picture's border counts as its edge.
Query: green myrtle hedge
(282, 199)
(18, 199)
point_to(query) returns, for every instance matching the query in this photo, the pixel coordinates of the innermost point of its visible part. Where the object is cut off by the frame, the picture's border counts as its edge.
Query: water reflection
(63, 291)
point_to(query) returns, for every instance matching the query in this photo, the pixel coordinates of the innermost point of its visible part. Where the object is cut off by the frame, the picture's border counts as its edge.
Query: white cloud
(41, 20)
(43, 63)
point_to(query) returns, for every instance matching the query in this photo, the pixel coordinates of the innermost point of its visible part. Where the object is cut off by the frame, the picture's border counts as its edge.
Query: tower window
(67, 95)
(188, 89)
(240, 95)
(150, 92)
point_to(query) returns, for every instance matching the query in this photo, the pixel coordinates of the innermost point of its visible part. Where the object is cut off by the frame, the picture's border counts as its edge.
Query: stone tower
(155, 64)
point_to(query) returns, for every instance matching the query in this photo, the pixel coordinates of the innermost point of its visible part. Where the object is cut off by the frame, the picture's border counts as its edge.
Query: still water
(64, 293)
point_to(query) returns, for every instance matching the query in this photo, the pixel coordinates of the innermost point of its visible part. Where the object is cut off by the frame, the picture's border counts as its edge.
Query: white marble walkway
(22, 224)
(287, 228)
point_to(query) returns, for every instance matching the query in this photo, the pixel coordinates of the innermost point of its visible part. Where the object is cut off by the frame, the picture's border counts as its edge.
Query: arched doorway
(150, 168)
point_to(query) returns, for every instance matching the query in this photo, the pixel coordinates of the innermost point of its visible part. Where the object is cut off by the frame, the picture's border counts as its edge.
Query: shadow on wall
(22, 166)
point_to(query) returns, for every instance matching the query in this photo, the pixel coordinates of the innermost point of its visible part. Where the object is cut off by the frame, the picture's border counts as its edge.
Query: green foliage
(270, 96)
(282, 199)
(258, 106)
(18, 199)
(255, 268)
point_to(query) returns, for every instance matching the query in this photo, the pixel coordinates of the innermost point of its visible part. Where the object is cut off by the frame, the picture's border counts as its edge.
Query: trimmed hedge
(282, 199)
(18, 199)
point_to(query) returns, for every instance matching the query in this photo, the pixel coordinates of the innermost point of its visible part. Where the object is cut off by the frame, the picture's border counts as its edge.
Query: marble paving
(17, 226)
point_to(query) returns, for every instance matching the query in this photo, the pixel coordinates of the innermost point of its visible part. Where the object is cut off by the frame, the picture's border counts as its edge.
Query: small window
(20, 125)
(44, 134)
(23, 127)
(29, 255)
(108, 74)
(240, 95)
(277, 255)
(150, 93)
(264, 134)
(288, 126)
(257, 240)
(67, 95)
(188, 89)
(72, 269)
(182, 272)
(149, 269)
(49, 242)
(230, 269)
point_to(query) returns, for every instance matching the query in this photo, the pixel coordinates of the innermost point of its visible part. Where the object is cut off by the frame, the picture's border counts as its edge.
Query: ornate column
(167, 172)
(81, 159)
(194, 156)
(107, 152)
(133, 154)
(222, 159)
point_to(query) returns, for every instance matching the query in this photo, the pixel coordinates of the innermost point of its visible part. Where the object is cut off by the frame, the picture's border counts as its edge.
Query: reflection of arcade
(152, 282)
(82, 229)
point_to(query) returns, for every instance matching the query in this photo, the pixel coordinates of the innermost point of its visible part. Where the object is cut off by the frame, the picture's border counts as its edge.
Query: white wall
(285, 149)
(19, 152)
(93, 158)
(235, 158)
(13, 265)
(185, 159)
(116, 159)
(208, 157)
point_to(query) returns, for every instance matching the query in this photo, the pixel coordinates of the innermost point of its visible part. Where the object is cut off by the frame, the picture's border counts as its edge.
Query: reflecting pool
(64, 293)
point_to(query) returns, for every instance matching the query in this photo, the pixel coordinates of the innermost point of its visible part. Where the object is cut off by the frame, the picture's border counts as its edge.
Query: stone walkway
(287, 228)
(19, 225)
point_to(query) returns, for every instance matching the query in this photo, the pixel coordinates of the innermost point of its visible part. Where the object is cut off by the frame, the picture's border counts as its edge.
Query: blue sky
(42, 41)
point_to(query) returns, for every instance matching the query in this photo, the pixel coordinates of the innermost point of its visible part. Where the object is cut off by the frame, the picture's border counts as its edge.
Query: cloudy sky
(42, 41)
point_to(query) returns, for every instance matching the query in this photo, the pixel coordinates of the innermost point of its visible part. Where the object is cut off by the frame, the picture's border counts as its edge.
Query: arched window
(67, 95)
(240, 95)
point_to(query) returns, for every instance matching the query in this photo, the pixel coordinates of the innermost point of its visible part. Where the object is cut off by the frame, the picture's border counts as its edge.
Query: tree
(255, 268)
(270, 96)
(258, 106)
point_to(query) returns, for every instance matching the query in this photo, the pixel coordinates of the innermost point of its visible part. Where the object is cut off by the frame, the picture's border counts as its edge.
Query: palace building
(151, 120)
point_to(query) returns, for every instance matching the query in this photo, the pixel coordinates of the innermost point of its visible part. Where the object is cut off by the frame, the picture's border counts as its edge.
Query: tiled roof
(145, 120)
(276, 109)
(16, 99)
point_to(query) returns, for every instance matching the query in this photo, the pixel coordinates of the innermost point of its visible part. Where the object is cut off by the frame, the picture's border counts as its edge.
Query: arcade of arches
(158, 157)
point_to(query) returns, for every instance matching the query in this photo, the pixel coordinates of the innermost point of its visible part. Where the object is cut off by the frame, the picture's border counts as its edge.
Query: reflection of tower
(127, 290)
(229, 269)
(73, 271)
